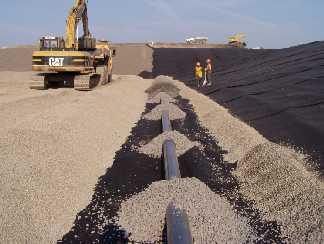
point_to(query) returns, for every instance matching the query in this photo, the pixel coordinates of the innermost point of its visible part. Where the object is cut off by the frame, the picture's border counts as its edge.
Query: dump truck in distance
(237, 40)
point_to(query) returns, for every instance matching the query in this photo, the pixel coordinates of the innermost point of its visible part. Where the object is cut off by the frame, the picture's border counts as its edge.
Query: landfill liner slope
(278, 92)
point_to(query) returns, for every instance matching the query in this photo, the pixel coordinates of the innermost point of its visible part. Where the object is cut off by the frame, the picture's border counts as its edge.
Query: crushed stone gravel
(154, 147)
(162, 96)
(164, 78)
(211, 217)
(174, 112)
(276, 178)
(53, 149)
(233, 135)
(163, 84)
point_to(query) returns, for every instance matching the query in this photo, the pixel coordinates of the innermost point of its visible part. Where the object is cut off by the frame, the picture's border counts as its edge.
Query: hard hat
(198, 63)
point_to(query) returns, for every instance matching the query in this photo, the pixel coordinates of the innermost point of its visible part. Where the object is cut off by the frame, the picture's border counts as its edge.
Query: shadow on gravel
(146, 75)
(209, 166)
(130, 173)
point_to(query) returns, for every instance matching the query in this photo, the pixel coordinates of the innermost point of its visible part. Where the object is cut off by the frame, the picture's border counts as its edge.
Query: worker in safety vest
(208, 72)
(198, 73)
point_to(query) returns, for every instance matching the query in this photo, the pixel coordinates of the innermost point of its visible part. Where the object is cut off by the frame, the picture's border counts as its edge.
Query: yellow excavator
(82, 63)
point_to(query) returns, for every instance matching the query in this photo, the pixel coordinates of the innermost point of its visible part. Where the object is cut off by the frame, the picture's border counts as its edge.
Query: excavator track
(83, 82)
(102, 76)
(90, 81)
(38, 82)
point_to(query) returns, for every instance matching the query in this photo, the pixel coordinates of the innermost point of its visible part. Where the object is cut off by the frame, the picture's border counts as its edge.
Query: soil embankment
(16, 59)
(131, 59)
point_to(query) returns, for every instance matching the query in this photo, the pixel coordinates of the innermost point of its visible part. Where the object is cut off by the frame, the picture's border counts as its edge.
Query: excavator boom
(78, 12)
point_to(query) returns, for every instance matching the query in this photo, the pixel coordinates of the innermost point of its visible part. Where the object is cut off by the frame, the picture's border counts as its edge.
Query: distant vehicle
(197, 40)
(237, 40)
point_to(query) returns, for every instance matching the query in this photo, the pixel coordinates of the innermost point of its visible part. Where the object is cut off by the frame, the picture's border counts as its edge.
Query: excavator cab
(51, 43)
(48, 43)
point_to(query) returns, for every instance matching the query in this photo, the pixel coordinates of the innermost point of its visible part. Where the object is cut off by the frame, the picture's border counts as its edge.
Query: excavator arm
(78, 12)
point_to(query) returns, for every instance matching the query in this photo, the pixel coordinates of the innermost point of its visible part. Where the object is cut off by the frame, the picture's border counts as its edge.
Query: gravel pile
(174, 112)
(162, 96)
(163, 84)
(212, 219)
(276, 178)
(164, 78)
(154, 147)
(53, 149)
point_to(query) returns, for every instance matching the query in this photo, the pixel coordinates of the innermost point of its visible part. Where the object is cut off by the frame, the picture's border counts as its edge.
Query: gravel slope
(279, 179)
(53, 147)
(275, 177)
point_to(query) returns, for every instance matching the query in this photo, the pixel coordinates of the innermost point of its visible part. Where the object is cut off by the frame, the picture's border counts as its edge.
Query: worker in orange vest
(208, 72)
(198, 73)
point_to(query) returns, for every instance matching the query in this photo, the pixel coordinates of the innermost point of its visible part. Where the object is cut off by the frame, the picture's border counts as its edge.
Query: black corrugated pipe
(171, 164)
(166, 123)
(178, 229)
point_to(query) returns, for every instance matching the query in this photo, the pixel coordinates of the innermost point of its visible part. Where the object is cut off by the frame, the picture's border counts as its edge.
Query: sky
(266, 23)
